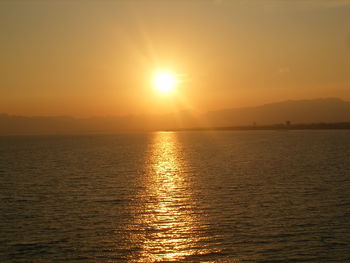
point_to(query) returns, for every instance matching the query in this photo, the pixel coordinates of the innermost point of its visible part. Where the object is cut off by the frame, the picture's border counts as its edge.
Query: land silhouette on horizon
(325, 113)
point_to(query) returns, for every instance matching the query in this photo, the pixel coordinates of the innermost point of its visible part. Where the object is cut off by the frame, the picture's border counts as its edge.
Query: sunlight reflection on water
(169, 226)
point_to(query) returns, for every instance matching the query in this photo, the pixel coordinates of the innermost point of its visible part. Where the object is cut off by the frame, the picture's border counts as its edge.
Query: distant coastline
(321, 114)
(273, 127)
(281, 126)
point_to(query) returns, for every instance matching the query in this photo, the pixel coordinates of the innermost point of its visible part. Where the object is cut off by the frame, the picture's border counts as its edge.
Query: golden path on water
(167, 224)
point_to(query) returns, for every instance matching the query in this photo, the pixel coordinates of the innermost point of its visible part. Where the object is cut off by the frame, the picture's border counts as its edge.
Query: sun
(164, 82)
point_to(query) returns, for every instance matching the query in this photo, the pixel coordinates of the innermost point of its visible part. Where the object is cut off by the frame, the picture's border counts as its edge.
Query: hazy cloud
(284, 70)
(325, 3)
(298, 3)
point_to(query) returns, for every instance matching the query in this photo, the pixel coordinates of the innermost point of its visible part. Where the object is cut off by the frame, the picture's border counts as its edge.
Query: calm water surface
(260, 196)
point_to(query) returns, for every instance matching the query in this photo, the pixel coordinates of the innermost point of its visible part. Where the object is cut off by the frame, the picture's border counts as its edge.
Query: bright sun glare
(164, 82)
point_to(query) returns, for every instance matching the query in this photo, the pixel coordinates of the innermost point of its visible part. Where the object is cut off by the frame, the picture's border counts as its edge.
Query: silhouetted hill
(296, 111)
(330, 110)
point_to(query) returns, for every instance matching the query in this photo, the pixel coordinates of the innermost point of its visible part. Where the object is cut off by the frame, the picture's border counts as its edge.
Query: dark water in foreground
(260, 196)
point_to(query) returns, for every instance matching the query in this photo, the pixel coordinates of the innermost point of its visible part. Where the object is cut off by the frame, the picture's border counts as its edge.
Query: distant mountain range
(329, 110)
(296, 111)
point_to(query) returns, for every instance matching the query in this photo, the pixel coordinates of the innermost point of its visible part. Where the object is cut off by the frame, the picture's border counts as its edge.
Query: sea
(188, 196)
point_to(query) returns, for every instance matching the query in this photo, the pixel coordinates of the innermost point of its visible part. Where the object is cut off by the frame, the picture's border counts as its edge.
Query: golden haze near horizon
(89, 58)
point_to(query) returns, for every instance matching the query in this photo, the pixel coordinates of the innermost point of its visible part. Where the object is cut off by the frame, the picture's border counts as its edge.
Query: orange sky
(88, 58)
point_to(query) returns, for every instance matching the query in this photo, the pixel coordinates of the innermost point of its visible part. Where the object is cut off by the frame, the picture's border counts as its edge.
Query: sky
(98, 58)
